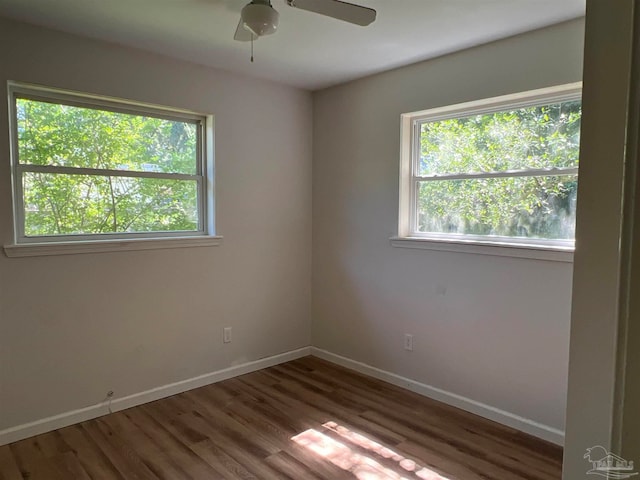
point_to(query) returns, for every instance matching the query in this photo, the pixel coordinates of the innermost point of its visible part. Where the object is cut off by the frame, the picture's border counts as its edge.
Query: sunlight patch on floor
(362, 466)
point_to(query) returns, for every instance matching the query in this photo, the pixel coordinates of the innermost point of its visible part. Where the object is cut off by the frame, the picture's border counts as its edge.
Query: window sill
(534, 252)
(102, 246)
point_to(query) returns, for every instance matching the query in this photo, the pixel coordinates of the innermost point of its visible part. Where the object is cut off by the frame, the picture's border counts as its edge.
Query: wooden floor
(303, 419)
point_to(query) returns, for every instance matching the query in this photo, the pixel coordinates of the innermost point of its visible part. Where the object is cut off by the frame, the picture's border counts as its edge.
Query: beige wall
(492, 329)
(73, 327)
(591, 409)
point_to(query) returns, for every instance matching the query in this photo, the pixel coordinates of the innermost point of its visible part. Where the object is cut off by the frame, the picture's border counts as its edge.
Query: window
(88, 168)
(497, 171)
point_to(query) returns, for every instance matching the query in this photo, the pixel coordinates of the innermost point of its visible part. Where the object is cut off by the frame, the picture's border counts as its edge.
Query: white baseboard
(44, 425)
(531, 427)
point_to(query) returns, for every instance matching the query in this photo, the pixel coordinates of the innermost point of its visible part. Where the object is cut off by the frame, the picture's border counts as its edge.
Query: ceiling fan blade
(242, 34)
(347, 12)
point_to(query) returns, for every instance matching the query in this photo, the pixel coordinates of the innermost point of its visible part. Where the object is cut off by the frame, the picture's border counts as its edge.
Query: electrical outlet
(226, 335)
(408, 342)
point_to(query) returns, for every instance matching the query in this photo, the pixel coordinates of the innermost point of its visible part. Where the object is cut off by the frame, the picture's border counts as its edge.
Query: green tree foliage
(541, 206)
(70, 203)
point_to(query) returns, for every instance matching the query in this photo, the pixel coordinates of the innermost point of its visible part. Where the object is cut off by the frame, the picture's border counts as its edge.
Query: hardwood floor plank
(91, 457)
(444, 466)
(427, 410)
(9, 469)
(305, 419)
(252, 441)
(157, 459)
(452, 447)
(293, 422)
(32, 463)
(177, 452)
(189, 438)
(68, 466)
(52, 444)
(448, 422)
(326, 409)
(241, 449)
(289, 467)
(225, 464)
(307, 380)
(119, 451)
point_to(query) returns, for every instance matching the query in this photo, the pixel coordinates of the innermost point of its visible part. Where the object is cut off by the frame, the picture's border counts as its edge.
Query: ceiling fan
(259, 18)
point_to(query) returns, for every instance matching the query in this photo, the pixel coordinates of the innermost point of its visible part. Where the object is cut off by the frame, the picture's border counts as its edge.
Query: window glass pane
(57, 204)
(530, 207)
(534, 137)
(63, 135)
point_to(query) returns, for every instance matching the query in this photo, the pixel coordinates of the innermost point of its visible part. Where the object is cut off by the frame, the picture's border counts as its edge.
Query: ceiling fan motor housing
(260, 18)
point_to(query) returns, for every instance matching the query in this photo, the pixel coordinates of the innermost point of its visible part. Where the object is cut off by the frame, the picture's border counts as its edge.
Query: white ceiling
(309, 50)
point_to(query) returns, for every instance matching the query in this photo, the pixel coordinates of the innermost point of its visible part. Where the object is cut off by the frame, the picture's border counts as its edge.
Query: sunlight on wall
(362, 466)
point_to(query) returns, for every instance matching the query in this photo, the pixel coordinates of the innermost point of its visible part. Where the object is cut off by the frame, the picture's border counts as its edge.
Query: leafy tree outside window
(500, 171)
(102, 170)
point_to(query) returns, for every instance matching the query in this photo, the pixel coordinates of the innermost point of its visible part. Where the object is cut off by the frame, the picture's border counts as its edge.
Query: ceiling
(308, 50)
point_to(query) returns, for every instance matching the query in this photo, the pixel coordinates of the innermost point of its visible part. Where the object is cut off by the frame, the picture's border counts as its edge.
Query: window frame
(204, 174)
(408, 235)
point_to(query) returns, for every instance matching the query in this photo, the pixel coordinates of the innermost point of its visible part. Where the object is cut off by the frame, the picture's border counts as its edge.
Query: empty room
(297, 239)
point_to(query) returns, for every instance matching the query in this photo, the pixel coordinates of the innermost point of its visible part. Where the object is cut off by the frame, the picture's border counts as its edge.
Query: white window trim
(478, 247)
(110, 242)
(103, 246)
(407, 237)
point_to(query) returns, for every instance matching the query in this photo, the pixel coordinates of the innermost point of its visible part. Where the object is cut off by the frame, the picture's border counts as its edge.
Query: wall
(597, 409)
(492, 329)
(73, 327)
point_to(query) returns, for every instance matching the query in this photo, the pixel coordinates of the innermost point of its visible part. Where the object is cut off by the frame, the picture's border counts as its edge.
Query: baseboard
(44, 425)
(526, 425)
